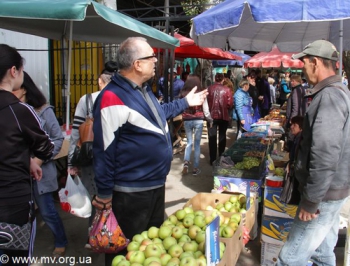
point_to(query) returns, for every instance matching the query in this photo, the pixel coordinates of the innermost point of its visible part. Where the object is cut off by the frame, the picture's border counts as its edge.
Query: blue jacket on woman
(241, 98)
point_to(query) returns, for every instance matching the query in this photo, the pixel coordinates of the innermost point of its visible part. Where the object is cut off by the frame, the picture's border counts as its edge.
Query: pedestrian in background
(193, 123)
(322, 163)
(43, 190)
(220, 102)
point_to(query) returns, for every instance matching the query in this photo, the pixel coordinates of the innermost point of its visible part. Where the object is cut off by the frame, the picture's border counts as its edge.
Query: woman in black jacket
(21, 137)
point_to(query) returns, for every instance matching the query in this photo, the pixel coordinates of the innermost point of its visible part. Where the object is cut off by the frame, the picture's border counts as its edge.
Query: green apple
(202, 261)
(227, 231)
(175, 250)
(165, 258)
(234, 209)
(199, 221)
(233, 225)
(169, 241)
(137, 257)
(133, 245)
(188, 261)
(209, 208)
(191, 214)
(173, 262)
(164, 231)
(188, 209)
(201, 246)
(236, 217)
(188, 221)
(180, 214)
(184, 238)
(186, 254)
(228, 205)
(145, 234)
(153, 250)
(242, 199)
(197, 254)
(177, 232)
(117, 259)
(219, 206)
(146, 242)
(150, 259)
(157, 240)
(242, 211)
(209, 219)
(185, 231)
(128, 255)
(138, 238)
(200, 237)
(193, 230)
(168, 223)
(199, 213)
(233, 198)
(124, 263)
(154, 263)
(190, 246)
(152, 232)
(222, 249)
(172, 218)
(136, 264)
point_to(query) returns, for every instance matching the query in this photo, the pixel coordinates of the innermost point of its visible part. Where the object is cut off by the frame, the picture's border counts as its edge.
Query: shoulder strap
(89, 104)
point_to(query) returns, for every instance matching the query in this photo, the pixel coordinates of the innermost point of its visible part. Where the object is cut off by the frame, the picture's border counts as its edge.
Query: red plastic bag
(106, 235)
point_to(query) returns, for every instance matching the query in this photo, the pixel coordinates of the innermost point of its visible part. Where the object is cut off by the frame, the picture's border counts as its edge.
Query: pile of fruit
(180, 240)
(248, 163)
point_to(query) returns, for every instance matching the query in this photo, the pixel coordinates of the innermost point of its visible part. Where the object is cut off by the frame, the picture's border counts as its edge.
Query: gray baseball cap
(320, 48)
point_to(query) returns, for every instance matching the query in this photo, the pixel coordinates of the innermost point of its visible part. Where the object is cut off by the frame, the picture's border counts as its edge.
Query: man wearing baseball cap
(322, 163)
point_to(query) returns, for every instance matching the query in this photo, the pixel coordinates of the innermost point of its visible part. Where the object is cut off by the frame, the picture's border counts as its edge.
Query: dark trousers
(14, 214)
(137, 212)
(221, 126)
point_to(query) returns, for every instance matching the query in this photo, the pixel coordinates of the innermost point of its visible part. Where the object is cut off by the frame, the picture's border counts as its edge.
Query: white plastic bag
(74, 198)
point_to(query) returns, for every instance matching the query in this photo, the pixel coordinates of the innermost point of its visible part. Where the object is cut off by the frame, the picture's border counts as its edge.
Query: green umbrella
(80, 20)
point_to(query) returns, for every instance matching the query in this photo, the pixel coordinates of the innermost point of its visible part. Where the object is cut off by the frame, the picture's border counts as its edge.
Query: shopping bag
(290, 193)
(74, 198)
(106, 235)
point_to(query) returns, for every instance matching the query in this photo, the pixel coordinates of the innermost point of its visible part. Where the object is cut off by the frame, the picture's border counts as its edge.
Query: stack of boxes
(276, 223)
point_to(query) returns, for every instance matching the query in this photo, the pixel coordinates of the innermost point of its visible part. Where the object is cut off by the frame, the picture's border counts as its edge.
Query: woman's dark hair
(9, 57)
(191, 81)
(219, 77)
(297, 120)
(110, 68)
(34, 95)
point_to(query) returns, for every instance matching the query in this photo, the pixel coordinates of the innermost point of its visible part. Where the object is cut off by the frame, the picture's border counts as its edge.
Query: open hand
(195, 99)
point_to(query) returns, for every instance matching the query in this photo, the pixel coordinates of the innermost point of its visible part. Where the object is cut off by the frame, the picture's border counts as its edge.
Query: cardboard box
(272, 206)
(234, 246)
(269, 254)
(202, 200)
(274, 230)
(236, 184)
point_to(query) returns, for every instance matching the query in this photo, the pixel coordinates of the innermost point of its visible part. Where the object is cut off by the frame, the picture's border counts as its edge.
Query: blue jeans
(193, 127)
(315, 239)
(50, 216)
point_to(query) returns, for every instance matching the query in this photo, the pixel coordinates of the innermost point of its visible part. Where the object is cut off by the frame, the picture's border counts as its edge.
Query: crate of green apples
(225, 202)
(179, 241)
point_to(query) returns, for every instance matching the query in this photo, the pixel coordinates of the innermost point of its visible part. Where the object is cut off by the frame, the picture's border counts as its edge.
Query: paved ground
(179, 189)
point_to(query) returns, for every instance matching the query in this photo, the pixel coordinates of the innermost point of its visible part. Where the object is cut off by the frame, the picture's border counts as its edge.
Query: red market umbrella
(274, 58)
(188, 49)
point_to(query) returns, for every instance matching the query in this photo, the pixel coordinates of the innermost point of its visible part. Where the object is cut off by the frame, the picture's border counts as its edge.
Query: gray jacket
(322, 165)
(49, 123)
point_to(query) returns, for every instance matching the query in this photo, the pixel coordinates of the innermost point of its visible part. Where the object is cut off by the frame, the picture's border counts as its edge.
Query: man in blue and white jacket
(132, 145)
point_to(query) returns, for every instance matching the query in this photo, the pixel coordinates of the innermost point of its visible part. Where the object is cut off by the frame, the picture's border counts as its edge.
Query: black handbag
(82, 155)
(290, 193)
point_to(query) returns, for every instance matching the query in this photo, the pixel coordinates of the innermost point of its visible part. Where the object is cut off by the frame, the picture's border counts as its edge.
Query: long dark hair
(191, 81)
(34, 96)
(9, 57)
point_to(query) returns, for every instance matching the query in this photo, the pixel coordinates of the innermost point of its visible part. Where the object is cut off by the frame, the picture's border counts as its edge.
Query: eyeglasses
(147, 57)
